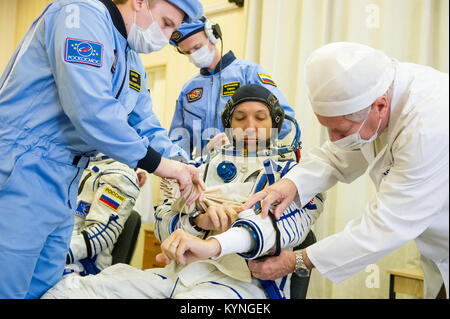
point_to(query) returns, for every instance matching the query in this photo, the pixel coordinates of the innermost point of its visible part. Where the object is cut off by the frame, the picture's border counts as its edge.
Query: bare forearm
(307, 261)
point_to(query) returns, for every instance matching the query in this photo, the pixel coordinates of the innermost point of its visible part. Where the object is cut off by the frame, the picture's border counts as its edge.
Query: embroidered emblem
(176, 36)
(111, 198)
(135, 80)
(82, 209)
(194, 95)
(84, 52)
(228, 89)
(266, 79)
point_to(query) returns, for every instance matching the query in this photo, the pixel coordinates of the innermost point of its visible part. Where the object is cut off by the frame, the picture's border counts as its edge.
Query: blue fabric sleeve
(86, 91)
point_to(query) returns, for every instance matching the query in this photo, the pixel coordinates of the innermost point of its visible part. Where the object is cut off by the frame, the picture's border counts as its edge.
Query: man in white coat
(392, 118)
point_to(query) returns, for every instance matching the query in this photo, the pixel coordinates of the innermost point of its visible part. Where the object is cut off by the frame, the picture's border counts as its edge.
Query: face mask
(145, 41)
(355, 141)
(203, 57)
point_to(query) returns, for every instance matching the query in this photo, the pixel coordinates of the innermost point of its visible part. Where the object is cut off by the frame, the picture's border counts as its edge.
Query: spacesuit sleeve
(116, 191)
(259, 76)
(145, 122)
(266, 235)
(86, 92)
(167, 221)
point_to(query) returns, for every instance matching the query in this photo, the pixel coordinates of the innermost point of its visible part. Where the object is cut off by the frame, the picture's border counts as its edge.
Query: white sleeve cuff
(235, 240)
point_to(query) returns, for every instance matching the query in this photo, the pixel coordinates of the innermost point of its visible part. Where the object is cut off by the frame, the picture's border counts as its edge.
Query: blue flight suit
(143, 119)
(65, 95)
(197, 118)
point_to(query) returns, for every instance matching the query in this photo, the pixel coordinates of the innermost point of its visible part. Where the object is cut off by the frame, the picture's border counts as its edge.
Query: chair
(124, 247)
(299, 285)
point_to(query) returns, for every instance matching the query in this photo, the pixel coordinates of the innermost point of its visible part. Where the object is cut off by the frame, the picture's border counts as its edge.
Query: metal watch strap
(300, 268)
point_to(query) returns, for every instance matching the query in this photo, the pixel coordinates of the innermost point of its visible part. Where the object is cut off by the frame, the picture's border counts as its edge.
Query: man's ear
(137, 5)
(382, 105)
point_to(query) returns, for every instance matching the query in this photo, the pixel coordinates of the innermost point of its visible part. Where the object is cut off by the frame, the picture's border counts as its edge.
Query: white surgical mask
(149, 40)
(203, 57)
(355, 141)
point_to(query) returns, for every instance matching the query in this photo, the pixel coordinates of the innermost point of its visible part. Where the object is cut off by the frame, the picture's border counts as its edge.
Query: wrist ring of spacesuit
(192, 218)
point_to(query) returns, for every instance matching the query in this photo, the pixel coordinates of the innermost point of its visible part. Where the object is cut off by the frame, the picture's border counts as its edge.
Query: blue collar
(227, 59)
(116, 17)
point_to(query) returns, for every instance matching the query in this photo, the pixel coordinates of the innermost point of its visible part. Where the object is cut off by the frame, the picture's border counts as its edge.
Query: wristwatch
(192, 220)
(300, 268)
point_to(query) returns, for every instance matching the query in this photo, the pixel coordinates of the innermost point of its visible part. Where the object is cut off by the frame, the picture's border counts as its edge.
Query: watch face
(302, 272)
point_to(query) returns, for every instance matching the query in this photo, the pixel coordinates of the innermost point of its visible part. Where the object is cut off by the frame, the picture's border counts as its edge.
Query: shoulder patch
(84, 52)
(111, 198)
(194, 95)
(266, 79)
(135, 80)
(82, 209)
(228, 89)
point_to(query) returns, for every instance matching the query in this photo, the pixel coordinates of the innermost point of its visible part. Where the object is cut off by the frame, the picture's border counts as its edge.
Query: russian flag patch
(266, 79)
(84, 52)
(111, 198)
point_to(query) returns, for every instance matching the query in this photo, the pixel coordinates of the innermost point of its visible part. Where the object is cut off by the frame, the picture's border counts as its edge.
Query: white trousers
(122, 281)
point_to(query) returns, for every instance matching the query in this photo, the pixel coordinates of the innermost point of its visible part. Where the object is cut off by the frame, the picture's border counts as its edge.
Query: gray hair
(363, 114)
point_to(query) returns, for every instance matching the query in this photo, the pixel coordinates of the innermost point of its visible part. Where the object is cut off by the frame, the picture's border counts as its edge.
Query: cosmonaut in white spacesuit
(106, 195)
(232, 174)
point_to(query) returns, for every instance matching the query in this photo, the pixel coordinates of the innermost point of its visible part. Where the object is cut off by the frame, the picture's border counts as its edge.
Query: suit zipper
(212, 94)
(126, 72)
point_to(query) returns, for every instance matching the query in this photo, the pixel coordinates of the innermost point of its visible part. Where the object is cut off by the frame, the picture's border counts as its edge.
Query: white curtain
(280, 35)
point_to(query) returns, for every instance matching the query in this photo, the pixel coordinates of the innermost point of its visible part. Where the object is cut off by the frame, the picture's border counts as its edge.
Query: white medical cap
(343, 77)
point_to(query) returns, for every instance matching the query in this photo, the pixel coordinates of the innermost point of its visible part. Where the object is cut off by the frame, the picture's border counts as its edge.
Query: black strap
(76, 159)
(88, 243)
(278, 235)
(80, 188)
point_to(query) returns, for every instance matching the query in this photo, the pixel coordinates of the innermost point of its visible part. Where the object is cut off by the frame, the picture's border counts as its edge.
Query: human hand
(187, 176)
(273, 267)
(142, 178)
(218, 217)
(282, 193)
(218, 140)
(185, 248)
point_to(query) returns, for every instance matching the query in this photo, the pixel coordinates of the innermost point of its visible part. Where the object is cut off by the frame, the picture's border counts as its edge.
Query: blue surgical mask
(355, 141)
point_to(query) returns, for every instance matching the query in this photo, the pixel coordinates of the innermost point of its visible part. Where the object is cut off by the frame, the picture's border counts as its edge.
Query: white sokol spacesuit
(232, 174)
(226, 276)
(107, 193)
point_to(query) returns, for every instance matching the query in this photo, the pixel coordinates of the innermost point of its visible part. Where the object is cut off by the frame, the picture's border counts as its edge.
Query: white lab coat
(411, 175)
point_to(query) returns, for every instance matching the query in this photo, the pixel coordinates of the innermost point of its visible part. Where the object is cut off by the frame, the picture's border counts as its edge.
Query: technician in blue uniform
(64, 96)
(203, 97)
